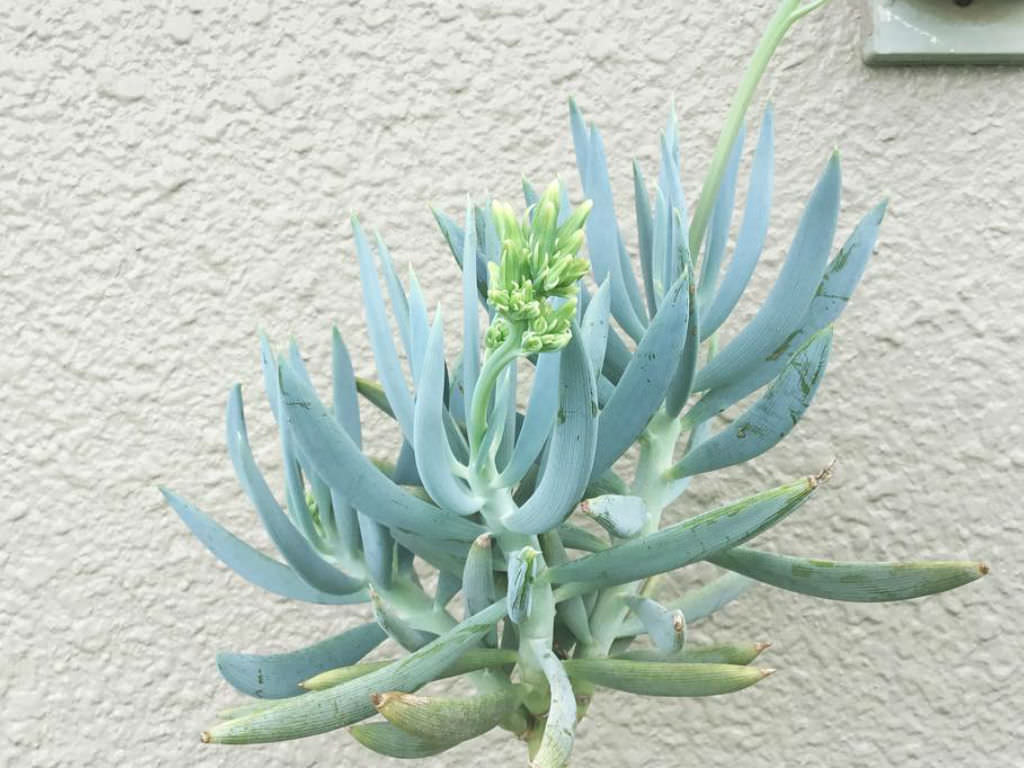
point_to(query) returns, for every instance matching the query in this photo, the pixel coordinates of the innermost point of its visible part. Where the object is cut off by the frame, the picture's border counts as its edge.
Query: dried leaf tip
(483, 541)
(983, 569)
(767, 672)
(824, 476)
(762, 647)
(205, 737)
(585, 507)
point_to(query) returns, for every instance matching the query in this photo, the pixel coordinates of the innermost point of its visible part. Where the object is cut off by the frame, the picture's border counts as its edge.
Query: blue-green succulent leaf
(399, 302)
(570, 454)
(378, 550)
(841, 278)
(455, 236)
(391, 741)
(721, 218)
(448, 585)
(574, 537)
(249, 563)
(851, 581)
(560, 727)
(685, 542)
(348, 703)
(374, 393)
(268, 363)
(622, 516)
(645, 237)
(530, 195)
(572, 612)
(681, 386)
(339, 462)
(540, 416)
(732, 653)
(768, 420)
(437, 553)
(277, 675)
(782, 311)
(478, 589)
(603, 232)
(434, 458)
(389, 368)
(595, 326)
(751, 237)
(452, 719)
(698, 604)
(419, 327)
(399, 630)
(642, 387)
(666, 627)
(470, 319)
(616, 355)
(297, 551)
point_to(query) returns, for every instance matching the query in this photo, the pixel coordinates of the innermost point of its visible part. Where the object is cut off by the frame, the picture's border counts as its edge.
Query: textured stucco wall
(174, 175)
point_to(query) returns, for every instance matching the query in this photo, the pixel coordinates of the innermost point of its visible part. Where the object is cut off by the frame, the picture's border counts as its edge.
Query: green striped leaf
(699, 603)
(348, 703)
(387, 739)
(653, 678)
(470, 661)
(851, 581)
(453, 719)
(701, 654)
(685, 542)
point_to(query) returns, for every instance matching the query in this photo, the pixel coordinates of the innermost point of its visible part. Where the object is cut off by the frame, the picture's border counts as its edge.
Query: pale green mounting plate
(941, 31)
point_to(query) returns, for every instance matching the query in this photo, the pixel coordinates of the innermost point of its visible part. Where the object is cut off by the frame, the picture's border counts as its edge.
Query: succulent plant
(493, 499)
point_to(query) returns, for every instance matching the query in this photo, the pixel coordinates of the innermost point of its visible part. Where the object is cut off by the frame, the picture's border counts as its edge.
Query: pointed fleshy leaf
(687, 541)
(560, 723)
(841, 278)
(768, 420)
(681, 386)
(277, 675)
(574, 537)
(249, 563)
(348, 703)
(387, 739)
(602, 232)
(540, 417)
(595, 326)
(572, 612)
(701, 654)
(396, 294)
(721, 218)
(622, 516)
(851, 581)
(478, 589)
(297, 551)
(642, 387)
(470, 661)
(378, 550)
(336, 459)
(787, 303)
(455, 236)
(268, 364)
(699, 603)
(448, 585)
(389, 368)
(654, 678)
(434, 458)
(570, 454)
(419, 327)
(399, 630)
(374, 392)
(530, 196)
(751, 237)
(645, 237)
(453, 719)
(470, 318)
(666, 628)
(436, 552)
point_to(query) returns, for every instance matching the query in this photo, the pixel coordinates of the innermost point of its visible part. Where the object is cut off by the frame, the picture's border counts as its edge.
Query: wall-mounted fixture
(937, 31)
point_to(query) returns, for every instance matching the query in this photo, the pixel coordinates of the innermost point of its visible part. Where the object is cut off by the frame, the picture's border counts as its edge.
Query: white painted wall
(175, 175)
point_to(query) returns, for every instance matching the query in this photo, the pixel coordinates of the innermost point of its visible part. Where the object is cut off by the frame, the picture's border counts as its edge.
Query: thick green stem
(494, 364)
(788, 13)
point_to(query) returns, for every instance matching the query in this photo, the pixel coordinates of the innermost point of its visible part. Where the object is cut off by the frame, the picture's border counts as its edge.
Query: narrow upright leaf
(721, 218)
(785, 306)
(653, 678)
(595, 326)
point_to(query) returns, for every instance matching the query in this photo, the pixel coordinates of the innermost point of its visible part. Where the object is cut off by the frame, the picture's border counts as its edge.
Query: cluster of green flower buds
(538, 264)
